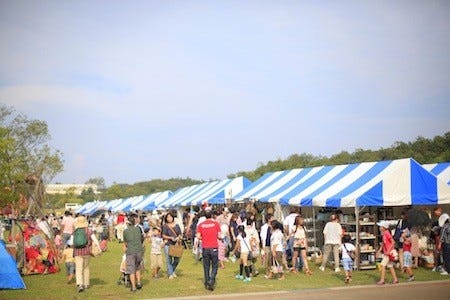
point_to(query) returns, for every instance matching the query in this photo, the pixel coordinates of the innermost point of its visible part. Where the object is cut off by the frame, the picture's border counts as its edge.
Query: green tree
(26, 159)
(99, 181)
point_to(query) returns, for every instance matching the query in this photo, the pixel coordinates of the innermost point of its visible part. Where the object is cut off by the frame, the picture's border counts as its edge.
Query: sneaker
(337, 270)
(434, 269)
(80, 288)
(247, 279)
(322, 268)
(139, 285)
(347, 279)
(171, 277)
(444, 272)
(174, 275)
(240, 277)
(133, 290)
(411, 278)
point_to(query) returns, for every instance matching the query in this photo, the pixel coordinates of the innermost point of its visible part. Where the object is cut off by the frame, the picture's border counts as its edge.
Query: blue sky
(136, 90)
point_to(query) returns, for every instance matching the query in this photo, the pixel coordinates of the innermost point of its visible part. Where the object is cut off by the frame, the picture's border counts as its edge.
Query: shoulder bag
(250, 254)
(350, 253)
(177, 249)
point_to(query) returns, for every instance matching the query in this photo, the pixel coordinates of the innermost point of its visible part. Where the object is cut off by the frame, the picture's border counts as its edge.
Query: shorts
(347, 263)
(244, 257)
(407, 259)
(133, 262)
(299, 249)
(70, 268)
(156, 261)
(386, 262)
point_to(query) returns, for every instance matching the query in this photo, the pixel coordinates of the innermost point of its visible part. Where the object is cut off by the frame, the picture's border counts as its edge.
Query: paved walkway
(435, 290)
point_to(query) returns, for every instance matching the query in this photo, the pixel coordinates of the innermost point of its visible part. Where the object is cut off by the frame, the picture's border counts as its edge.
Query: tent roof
(149, 202)
(205, 192)
(385, 183)
(441, 170)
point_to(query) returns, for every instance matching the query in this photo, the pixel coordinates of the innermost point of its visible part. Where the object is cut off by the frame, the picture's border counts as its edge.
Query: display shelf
(367, 251)
(363, 233)
(367, 267)
(367, 237)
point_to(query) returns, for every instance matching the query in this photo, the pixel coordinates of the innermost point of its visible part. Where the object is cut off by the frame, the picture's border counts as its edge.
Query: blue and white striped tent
(441, 170)
(90, 207)
(112, 203)
(127, 204)
(85, 206)
(151, 201)
(217, 191)
(386, 183)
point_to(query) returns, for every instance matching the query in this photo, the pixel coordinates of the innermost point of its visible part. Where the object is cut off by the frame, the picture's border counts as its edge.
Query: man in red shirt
(209, 232)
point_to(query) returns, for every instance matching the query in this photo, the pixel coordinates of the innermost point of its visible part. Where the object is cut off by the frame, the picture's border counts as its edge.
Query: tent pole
(357, 258)
(314, 227)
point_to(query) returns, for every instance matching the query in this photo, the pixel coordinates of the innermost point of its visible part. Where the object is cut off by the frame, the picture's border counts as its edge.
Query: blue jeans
(171, 261)
(210, 264)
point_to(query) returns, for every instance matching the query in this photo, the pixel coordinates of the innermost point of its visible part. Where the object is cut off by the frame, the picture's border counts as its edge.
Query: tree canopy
(423, 150)
(26, 158)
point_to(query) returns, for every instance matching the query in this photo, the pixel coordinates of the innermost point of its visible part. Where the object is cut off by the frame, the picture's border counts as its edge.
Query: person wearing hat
(444, 222)
(82, 256)
(387, 248)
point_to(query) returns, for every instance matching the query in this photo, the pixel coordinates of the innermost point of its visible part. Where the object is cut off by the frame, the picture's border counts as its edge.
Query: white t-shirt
(276, 239)
(289, 222)
(333, 233)
(245, 243)
(349, 247)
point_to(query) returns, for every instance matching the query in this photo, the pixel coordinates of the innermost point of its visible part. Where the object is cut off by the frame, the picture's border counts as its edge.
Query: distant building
(53, 189)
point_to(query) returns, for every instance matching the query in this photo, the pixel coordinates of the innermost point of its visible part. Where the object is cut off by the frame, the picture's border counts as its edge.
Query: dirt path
(435, 290)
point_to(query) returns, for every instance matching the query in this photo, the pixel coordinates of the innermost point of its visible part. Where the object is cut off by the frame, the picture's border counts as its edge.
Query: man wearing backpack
(134, 250)
(82, 242)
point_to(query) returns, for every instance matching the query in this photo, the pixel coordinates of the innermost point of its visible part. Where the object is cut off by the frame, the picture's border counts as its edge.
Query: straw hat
(80, 222)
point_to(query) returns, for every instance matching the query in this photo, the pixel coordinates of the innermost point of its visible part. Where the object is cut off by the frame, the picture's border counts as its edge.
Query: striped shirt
(86, 251)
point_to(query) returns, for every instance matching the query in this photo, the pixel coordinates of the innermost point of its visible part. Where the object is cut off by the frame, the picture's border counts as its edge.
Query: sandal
(308, 272)
(380, 282)
(347, 279)
(395, 282)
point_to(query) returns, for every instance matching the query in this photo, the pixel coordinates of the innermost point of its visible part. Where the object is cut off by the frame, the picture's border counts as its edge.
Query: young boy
(69, 260)
(347, 249)
(407, 256)
(156, 253)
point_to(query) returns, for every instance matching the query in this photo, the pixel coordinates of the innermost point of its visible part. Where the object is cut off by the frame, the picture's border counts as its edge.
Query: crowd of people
(237, 234)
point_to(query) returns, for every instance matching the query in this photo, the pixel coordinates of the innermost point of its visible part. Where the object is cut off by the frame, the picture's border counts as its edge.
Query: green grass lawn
(105, 274)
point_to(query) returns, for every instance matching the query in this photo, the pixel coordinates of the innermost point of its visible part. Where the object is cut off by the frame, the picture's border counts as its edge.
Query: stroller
(124, 277)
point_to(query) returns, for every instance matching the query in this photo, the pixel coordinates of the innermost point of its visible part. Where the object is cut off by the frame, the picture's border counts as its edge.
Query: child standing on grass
(242, 241)
(156, 253)
(407, 256)
(347, 249)
(69, 261)
(222, 250)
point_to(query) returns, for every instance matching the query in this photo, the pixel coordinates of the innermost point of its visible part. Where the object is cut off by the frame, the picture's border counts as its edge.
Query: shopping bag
(176, 250)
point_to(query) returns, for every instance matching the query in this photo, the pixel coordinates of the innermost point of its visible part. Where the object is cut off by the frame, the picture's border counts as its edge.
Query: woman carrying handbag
(171, 234)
